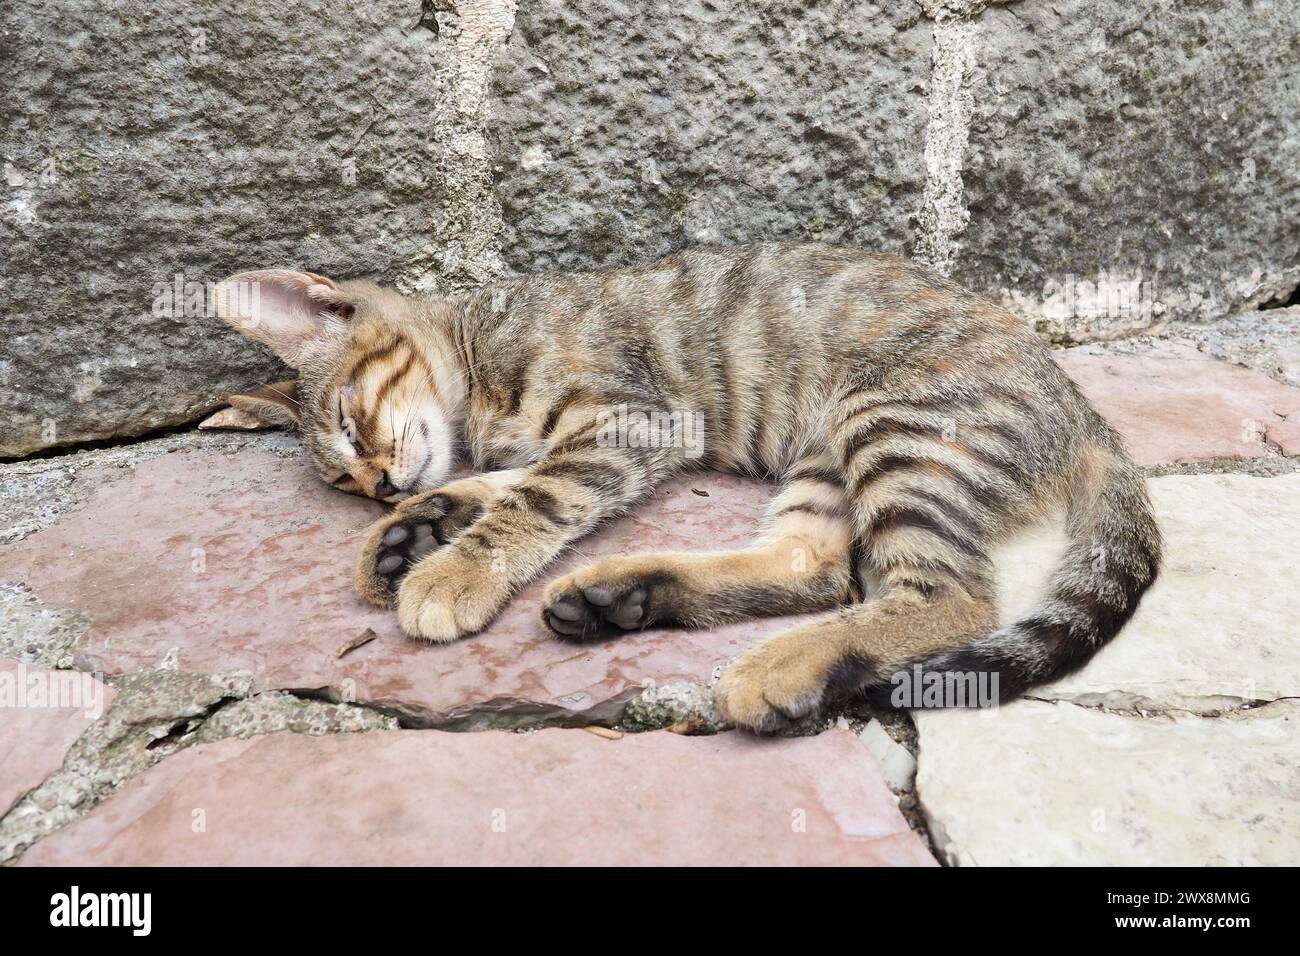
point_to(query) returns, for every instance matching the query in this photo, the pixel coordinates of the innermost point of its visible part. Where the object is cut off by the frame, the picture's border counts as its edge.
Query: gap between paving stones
(156, 714)
(56, 452)
(1139, 713)
(159, 713)
(1267, 467)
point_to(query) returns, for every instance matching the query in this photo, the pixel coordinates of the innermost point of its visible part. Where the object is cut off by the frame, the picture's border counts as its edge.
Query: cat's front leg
(458, 590)
(420, 525)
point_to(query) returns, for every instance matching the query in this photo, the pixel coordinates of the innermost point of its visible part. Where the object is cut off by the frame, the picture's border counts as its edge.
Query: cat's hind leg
(800, 562)
(790, 675)
(926, 507)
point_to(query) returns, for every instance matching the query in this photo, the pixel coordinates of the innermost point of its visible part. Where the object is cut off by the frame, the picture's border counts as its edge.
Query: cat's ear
(270, 406)
(291, 312)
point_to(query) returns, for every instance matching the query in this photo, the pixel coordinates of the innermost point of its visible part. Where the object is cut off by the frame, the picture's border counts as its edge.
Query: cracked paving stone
(44, 711)
(215, 562)
(1081, 787)
(1218, 627)
(152, 715)
(553, 797)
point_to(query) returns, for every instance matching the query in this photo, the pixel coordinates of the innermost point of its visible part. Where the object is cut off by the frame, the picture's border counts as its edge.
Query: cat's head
(379, 391)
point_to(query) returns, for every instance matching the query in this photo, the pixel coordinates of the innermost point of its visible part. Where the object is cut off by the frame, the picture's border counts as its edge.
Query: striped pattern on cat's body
(913, 425)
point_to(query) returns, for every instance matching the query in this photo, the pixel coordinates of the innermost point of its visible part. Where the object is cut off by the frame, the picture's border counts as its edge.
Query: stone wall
(1152, 141)
(1105, 167)
(148, 143)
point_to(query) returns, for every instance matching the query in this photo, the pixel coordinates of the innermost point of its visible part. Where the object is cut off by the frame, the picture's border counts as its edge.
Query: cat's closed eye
(345, 482)
(349, 429)
(346, 424)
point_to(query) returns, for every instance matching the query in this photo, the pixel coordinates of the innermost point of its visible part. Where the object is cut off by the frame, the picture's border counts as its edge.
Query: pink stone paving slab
(41, 713)
(555, 797)
(244, 562)
(1175, 403)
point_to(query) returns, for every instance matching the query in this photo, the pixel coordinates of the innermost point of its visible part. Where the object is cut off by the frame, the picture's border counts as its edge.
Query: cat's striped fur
(913, 424)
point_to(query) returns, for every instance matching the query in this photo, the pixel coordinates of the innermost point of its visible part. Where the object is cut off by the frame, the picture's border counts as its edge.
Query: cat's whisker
(282, 393)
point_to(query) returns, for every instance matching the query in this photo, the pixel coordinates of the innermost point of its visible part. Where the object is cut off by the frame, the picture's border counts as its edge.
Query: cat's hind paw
(774, 684)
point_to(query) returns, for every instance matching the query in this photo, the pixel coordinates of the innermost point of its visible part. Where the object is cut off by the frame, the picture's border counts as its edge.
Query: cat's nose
(384, 487)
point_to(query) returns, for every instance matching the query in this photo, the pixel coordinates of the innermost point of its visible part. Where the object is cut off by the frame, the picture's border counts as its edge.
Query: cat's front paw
(399, 541)
(588, 604)
(450, 595)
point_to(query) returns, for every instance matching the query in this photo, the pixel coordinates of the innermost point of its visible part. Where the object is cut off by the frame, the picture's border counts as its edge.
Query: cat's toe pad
(402, 546)
(582, 614)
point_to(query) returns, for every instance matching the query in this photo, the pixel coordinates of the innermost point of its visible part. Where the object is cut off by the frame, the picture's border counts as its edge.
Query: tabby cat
(913, 425)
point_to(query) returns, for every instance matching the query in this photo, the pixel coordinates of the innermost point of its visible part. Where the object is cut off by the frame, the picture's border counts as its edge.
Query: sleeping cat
(912, 424)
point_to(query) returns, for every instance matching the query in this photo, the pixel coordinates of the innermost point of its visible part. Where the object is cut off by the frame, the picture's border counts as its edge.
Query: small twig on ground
(362, 639)
(605, 732)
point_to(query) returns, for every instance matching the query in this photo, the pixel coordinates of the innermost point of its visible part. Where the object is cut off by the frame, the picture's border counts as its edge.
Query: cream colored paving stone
(1221, 624)
(1036, 783)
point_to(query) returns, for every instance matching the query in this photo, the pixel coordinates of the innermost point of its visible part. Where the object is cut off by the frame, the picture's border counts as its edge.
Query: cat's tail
(1112, 558)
